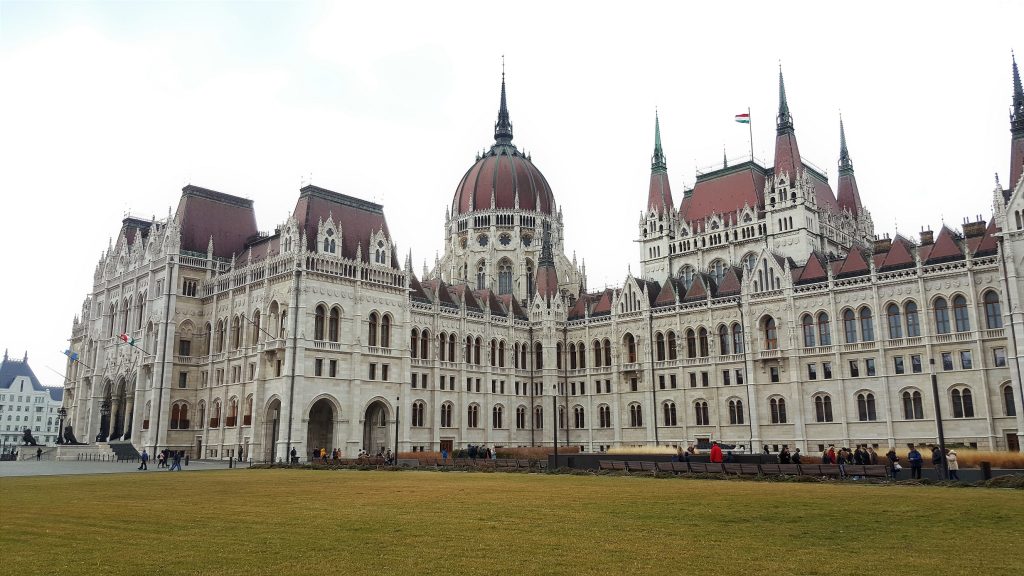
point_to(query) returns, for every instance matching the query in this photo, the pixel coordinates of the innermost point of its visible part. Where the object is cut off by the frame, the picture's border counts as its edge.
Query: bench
(634, 466)
(522, 463)
(713, 467)
(485, 463)
(505, 463)
(876, 471)
(740, 468)
(789, 469)
(446, 463)
(605, 465)
(830, 470)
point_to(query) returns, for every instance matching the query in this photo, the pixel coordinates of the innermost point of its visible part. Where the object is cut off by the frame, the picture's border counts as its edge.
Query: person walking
(915, 462)
(716, 452)
(795, 458)
(784, 456)
(894, 462)
(954, 466)
(176, 462)
(937, 463)
(143, 458)
(39, 454)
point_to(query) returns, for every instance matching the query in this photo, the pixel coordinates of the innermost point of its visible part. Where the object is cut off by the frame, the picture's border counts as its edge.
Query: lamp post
(398, 408)
(61, 415)
(938, 417)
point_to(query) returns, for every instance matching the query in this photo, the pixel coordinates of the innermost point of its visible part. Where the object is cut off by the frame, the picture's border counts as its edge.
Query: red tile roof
(945, 249)
(204, 213)
(730, 284)
(987, 244)
(854, 264)
(697, 289)
(505, 173)
(358, 220)
(849, 196)
(724, 192)
(899, 255)
(604, 304)
(659, 194)
(787, 154)
(667, 294)
(813, 270)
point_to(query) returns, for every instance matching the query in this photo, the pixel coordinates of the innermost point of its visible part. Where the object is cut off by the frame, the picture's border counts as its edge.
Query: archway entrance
(375, 428)
(271, 430)
(118, 408)
(320, 433)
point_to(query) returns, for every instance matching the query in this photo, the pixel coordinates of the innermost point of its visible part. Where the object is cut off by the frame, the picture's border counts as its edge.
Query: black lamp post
(61, 415)
(938, 418)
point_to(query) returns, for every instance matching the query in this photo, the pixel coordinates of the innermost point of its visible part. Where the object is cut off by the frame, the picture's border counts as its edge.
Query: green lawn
(409, 523)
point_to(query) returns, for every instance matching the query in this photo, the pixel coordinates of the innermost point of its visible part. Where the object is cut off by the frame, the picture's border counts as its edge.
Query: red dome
(503, 174)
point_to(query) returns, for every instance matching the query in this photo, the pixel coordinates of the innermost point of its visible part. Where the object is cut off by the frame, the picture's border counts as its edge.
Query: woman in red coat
(716, 452)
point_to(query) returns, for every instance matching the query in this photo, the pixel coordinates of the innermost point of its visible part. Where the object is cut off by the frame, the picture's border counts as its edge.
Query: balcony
(631, 367)
(274, 345)
(954, 337)
(818, 350)
(859, 346)
(325, 345)
(994, 333)
(379, 350)
(422, 362)
(905, 342)
(698, 361)
(769, 354)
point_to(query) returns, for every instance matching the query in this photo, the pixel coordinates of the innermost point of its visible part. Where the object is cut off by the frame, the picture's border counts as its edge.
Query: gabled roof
(356, 218)
(986, 245)
(604, 303)
(899, 255)
(579, 308)
(513, 305)
(724, 191)
(854, 265)
(465, 293)
(667, 295)
(652, 287)
(490, 300)
(814, 269)
(416, 291)
(12, 369)
(945, 249)
(441, 292)
(698, 289)
(730, 285)
(204, 213)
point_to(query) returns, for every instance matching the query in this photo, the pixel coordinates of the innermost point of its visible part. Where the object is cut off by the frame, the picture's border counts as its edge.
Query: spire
(547, 276)
(658, 159)
(546, 257)
(725, 159)
(503, 127)
(1017, 111)
(844, 154)
(784, 120)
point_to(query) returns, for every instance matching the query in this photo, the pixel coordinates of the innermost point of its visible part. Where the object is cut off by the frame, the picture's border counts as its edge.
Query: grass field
(358, 522)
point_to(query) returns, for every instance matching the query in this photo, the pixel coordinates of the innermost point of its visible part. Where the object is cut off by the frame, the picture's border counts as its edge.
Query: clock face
(527, 240)
(505, 239)
(482, 239)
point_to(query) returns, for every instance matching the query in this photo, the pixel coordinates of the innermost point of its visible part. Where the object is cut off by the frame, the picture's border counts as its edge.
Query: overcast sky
(110, 108)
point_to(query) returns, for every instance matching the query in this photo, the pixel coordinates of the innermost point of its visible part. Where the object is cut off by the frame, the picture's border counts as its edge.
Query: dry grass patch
(307, 522)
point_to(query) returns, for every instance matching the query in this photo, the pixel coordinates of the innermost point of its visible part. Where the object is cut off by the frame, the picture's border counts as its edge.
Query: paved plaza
(52, 468)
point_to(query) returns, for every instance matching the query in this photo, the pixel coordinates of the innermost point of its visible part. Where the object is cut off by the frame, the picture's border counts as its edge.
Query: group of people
(170, 459)
(322, 455)
(916, 461)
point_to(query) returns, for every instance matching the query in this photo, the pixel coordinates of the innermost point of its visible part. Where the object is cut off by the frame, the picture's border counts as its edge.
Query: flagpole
(750, 126)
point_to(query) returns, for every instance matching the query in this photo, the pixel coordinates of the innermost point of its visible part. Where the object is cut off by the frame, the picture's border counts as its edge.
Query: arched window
(418, 409)
(561, 417)
(963, 322)
(686, 275)
(582, 351)
(1009, 404)
(717, 271)
(481, 275)
(993, 313)
(385, 331)
(236, 333)
(702, 341)
(425, 345)
(850, 326)
(671, 345)
(538, 417)
(691, 343)
(446, 415)
(636, 417)
(605, 416)
(501, 354)
(778, 410)
(572, 355)
(866, 407)
(630, 348)
(669, 413)
(735, 411)
(529, 278)
(202, 412)
(497, 414)
(476, 350)
(371, 335)
(538, 356)
(215, 419)
(283, 327)
(913, 408)
(522, 356)
(607, 352)
(659, 346)
(468, 357)
(175, 416)
(209, 337)
(579, 417)
(256, 331)
(963, 403)
(414, 343)
(318, 323)
(822, 408)
(913, 322)
(558, 355)
(442, 346)
(807, 323)
(867, 326)
(521, 418)
(892, 312)
(700, 410)
(941, 316)
(504, 277)
(247, 418)
(332, 324)
(723, 340)
(737, 339)
(771, 335)
(451, 347)
(824, 329)
(597, 354)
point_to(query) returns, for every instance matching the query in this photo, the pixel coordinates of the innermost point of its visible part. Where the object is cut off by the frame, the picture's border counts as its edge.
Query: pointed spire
(503, 127)
(546, 257)
(725, 159)
(784, 120)
(844, 154)
(658, 158)
(1017, 112)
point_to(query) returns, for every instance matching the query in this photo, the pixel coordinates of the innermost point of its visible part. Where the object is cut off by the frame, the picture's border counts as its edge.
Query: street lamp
(61, 415)
(938, 417)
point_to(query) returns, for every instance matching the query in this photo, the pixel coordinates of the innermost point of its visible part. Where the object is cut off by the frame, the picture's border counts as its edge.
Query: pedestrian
(766, 451)
(388, 457)
(295, 456)
(716, 452)
(444, 454)
(894, 462)
(177, 462)
(323, 455)
(831, 454)
(494, 453)
(143, 458)
(954, 466)
(915, 459)
(872, 456)
(39, 454)
(937, 463)
(784, 456)
(795, 458)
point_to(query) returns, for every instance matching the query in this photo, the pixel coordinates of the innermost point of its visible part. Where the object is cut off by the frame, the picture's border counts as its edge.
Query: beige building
(767, 312)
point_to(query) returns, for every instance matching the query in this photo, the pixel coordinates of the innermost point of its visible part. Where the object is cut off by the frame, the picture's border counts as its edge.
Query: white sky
(108, 108)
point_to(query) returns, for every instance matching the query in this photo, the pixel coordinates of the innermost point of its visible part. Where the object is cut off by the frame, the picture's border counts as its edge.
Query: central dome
(504, 178)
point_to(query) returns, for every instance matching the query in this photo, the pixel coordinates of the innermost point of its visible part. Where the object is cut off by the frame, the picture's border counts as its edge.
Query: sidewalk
(51, 468)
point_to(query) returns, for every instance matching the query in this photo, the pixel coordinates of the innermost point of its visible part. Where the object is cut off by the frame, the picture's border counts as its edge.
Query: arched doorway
(320, 433)
(118, 408)
(375, 427)
(271, 427)
(104, 431)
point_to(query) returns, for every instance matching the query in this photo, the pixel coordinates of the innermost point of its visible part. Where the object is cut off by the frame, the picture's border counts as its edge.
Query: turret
(849, 196)
(787, 153)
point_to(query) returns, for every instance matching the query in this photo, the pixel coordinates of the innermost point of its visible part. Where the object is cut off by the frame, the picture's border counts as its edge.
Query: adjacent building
(25, 403)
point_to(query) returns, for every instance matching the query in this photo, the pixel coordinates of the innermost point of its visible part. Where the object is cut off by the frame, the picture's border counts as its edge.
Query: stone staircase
(86, 452)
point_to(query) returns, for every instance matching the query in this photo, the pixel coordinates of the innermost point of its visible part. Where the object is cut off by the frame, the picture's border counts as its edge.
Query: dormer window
(381, 254)
(330, 244)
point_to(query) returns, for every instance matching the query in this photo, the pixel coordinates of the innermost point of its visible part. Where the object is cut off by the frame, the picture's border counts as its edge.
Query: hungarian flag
(743, 118)
(127, 340)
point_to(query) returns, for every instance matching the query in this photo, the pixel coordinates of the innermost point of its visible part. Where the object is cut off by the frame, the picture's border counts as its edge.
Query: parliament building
(767, 311)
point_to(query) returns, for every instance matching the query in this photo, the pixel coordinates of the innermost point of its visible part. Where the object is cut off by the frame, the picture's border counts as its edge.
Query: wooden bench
(485, 463)
(605, 465)
(523, 464)
(713, 468)
(830, 470)
(505, 463)
(699, 467)
(674, 467)
(634, 466)
(446, 463)
(649, 466)
(876, 471)
(771, 469)
(789, 469)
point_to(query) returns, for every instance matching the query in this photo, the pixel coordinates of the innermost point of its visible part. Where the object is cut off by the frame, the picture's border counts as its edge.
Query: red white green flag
(743, 118)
